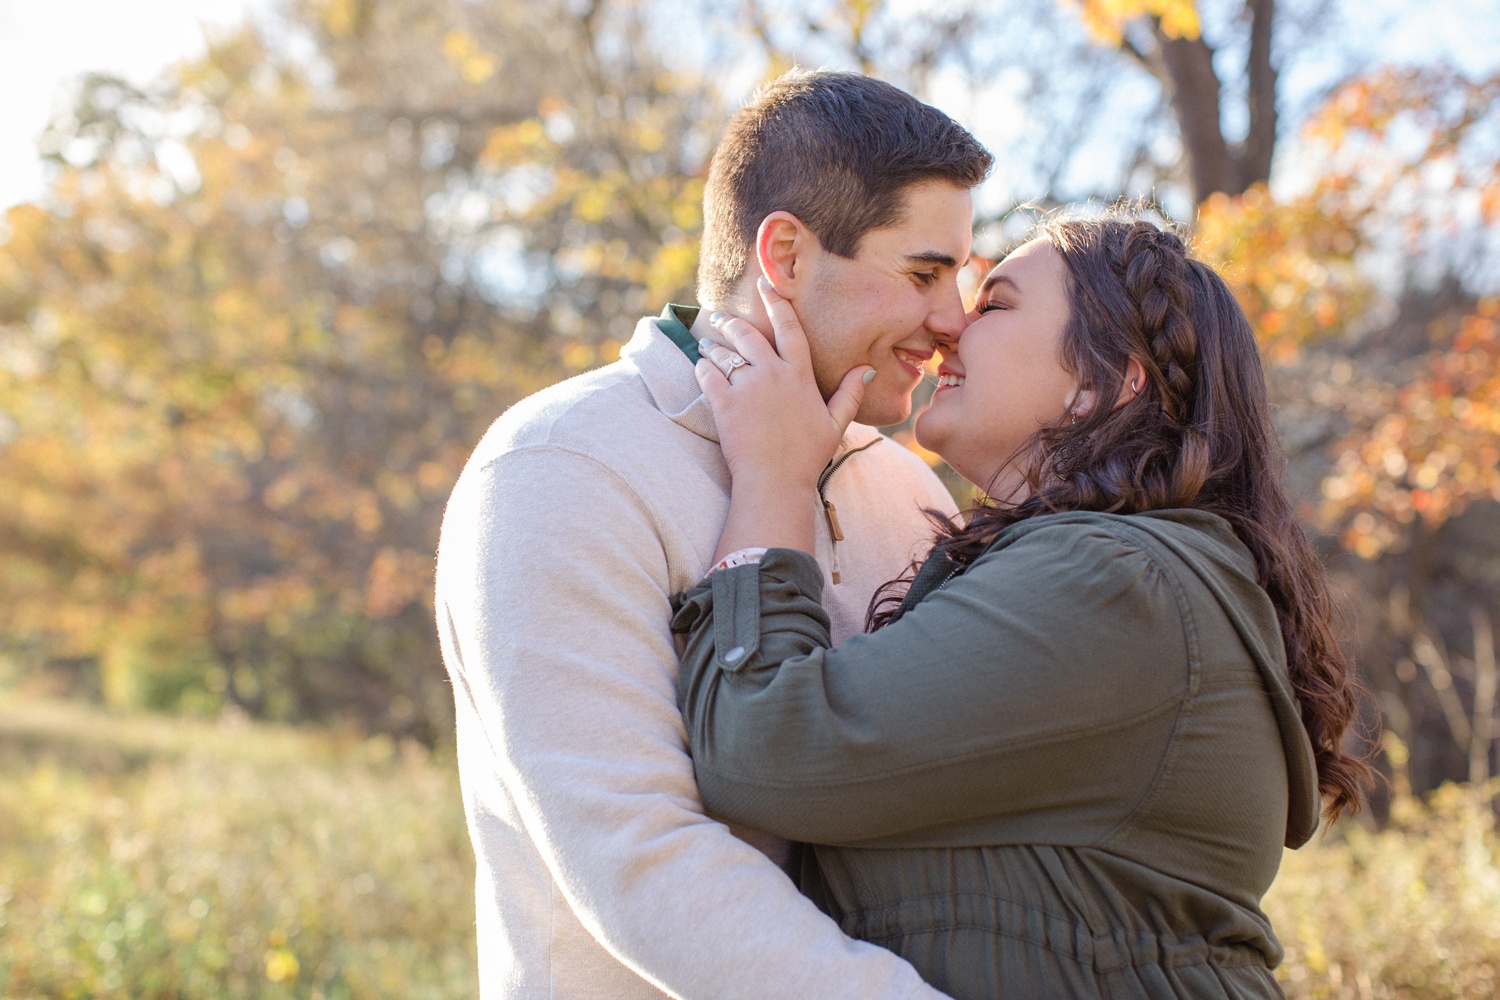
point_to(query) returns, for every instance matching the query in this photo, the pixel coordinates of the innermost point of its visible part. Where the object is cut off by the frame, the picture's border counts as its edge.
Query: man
(589, 504)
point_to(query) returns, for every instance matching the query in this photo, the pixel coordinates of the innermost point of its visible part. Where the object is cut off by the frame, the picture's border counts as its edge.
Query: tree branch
(1260, 141)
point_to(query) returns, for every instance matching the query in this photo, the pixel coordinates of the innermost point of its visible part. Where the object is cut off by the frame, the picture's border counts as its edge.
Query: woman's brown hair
(1198, 434)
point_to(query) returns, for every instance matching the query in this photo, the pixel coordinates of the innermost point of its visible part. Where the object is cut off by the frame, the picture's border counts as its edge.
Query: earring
(1133, 386)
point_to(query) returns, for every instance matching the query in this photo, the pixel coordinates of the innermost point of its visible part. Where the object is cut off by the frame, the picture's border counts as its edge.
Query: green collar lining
(676, 322)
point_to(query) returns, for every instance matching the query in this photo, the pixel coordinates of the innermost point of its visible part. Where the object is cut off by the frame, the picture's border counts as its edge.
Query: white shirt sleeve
(558, 601)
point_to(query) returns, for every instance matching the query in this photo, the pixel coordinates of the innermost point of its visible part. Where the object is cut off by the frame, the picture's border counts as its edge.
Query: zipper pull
(837, 532)
(833, 521)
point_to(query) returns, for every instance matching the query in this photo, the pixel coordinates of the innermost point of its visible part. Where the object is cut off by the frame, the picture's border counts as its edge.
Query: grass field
(146, 858)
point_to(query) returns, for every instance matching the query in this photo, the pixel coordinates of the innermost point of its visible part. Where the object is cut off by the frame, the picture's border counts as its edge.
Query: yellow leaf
(1106, 19)
(466, 55)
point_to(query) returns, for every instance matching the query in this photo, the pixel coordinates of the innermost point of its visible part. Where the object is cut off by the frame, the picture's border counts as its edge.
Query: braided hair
(1197, 434)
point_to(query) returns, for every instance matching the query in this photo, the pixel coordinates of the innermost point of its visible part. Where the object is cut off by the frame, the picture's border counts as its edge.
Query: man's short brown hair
(834, 149)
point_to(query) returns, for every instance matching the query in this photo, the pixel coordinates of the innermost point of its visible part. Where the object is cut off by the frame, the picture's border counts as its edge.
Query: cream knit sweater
(581, 512)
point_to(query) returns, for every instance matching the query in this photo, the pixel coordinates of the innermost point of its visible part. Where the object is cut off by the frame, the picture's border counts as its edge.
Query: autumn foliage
(246, 347)
(1434, 449)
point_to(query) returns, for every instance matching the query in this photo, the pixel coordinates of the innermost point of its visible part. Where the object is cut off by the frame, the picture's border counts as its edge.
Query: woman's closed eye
(990, 305)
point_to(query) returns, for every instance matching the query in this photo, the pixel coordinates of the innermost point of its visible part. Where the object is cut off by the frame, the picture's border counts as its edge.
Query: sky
(44, 44)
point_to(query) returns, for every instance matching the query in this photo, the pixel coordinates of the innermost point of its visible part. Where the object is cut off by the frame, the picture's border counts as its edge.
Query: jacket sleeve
(1036, 680)
(556, 611)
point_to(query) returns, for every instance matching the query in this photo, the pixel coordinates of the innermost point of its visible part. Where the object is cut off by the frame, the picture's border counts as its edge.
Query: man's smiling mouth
(916, 362)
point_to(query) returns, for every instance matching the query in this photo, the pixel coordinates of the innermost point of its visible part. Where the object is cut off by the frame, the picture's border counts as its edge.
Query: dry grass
(144, 858)
(1410, 912)
(148, 858)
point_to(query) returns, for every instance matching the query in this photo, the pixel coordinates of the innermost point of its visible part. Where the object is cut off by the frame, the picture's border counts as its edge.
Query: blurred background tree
(271, 300)
(268, 306)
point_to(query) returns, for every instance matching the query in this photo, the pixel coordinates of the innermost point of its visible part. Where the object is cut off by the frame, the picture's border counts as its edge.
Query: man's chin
(883, 413)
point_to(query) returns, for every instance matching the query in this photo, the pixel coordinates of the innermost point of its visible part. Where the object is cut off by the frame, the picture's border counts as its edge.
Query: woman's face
(1004, 379)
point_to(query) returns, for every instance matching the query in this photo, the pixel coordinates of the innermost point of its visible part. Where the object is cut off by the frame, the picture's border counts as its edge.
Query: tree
(1166, 38)
(263, 315)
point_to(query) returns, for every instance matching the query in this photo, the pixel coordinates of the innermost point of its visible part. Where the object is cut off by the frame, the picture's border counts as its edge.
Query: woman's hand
(773, 424)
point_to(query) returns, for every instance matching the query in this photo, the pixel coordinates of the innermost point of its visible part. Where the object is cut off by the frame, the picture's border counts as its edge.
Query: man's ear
(783, 246)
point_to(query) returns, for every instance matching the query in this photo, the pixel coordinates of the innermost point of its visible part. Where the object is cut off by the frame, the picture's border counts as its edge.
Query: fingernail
(704, 343)
(717, 317)
(868, 377)
(764, 283)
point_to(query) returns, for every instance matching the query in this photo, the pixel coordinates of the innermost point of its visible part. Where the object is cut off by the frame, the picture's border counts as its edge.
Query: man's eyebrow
(932, 257)
(996, 279)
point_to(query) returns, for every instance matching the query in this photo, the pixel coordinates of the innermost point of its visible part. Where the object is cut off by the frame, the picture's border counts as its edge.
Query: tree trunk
(1185, 67)
(1195, 93)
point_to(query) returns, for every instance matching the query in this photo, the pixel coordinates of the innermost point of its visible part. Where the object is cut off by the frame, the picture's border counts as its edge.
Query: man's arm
(554, 579)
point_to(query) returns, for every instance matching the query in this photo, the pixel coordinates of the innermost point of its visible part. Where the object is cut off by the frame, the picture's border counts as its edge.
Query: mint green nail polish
(868, 377)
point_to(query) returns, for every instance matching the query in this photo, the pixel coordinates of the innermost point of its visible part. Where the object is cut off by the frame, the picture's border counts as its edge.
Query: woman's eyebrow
(996, 279)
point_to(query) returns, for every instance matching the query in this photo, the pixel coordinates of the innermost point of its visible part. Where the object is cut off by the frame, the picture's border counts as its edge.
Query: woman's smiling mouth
(947, 378)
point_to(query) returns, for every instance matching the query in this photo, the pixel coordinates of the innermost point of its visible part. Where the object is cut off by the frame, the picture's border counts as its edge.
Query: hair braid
(1154, 266)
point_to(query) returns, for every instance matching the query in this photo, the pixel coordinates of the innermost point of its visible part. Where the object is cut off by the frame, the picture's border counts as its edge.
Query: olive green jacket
(1066, 770)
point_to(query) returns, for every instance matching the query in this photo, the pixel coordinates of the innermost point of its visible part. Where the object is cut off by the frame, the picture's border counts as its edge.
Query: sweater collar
(668, 374)
(669, 378)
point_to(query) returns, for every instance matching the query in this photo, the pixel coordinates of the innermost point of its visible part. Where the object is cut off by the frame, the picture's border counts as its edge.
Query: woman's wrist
(772, 480)
(769, 516)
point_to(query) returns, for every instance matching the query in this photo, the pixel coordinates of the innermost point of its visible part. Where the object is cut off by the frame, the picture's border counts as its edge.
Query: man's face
(889, 306)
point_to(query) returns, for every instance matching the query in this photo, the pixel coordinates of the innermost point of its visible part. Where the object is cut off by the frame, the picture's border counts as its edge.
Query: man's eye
(925, 277)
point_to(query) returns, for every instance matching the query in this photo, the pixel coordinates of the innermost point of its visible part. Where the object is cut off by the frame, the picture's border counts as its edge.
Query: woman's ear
(1134, 384)
(1080, 403)
(782, 247)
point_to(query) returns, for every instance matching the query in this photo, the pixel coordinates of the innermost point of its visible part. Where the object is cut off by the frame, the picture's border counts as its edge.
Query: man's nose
(948, 318)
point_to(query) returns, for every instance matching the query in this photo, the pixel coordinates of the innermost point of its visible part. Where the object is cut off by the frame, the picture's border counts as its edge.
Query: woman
(1065, 761)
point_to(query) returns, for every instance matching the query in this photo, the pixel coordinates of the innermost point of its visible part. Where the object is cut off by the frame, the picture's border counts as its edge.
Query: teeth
(916, 361)
(950, 380)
